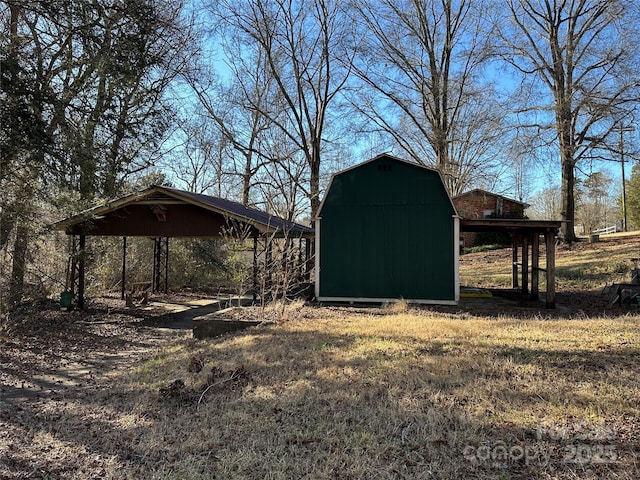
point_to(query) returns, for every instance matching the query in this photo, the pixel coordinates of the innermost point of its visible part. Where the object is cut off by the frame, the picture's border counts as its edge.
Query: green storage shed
(387, 230)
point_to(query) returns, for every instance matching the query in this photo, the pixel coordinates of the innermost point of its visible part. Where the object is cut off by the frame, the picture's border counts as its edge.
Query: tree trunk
(7, 222)
(314, 187)
(566, 138)
(16, 284)
(567, 232)
(247, 175)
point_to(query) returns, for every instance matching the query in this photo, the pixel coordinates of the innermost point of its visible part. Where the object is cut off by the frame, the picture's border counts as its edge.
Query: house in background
(478, 203)
(387, 230)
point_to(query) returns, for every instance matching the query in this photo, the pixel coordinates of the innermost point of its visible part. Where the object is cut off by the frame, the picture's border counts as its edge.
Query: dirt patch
(59, 370)
(46, 352)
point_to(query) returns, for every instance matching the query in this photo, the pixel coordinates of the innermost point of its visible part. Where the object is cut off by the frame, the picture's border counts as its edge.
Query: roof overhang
(508, 225)
(204, 208)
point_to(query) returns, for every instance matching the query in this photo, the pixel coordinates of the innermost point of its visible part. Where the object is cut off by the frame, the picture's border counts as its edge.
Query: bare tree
(201, 158)
(282, 181)
(596, 206)
(232, 107)
(421, 68)
(299, 42)
(545, 204)
(575, 56)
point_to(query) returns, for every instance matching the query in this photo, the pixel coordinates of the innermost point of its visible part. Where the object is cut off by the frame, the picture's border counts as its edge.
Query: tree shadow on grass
(386, 415)
(317, 404)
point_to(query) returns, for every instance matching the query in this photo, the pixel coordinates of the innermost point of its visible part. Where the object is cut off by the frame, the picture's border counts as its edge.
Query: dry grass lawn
(581, 266)
(411, 395)
(336, 393)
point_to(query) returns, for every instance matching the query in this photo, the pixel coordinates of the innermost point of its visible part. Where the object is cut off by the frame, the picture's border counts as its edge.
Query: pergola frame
(525, 246)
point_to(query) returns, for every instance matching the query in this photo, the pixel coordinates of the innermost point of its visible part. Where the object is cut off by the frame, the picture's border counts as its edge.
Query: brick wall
(474, 205)
(480, 204)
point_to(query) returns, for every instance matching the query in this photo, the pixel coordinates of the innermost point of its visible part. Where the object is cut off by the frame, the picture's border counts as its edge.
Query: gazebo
(160, 213)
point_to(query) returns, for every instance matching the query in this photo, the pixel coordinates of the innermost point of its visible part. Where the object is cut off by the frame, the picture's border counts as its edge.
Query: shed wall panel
(387, 232)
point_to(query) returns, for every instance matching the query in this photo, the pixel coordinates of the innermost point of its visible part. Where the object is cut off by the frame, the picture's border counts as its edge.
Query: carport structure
(160, 213)
(525, 247)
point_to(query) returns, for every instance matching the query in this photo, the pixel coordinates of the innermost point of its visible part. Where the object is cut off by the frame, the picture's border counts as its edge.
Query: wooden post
(308, 259)
(535, 265)
(300, 265)
(514, 260)
(550, 241)
(74, 266)
(525, 264)
(255, 267)
(166, 265)
(124, 267)
(154, 267)
(268, 267)
(82, 252)
(160, 274)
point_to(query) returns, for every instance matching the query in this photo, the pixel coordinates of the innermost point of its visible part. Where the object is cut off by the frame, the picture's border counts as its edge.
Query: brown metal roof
(163, 211)
(507, 225)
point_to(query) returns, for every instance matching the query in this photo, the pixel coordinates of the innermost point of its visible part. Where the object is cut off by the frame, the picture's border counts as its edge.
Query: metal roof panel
(263, 221)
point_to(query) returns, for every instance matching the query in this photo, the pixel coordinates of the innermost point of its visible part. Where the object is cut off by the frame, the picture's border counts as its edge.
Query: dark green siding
(386, 231)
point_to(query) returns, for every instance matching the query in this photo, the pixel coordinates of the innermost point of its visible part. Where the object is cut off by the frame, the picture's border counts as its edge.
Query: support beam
(160, 276)
(535, 265)
(525, 264)
(73, 276)
(77, 281)
(300, 265)
(255, 268)
(550, 240)
(309, 260)
(124, 268)
(268, 267)
(81, 268)
(166, 266)
(514, 260)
